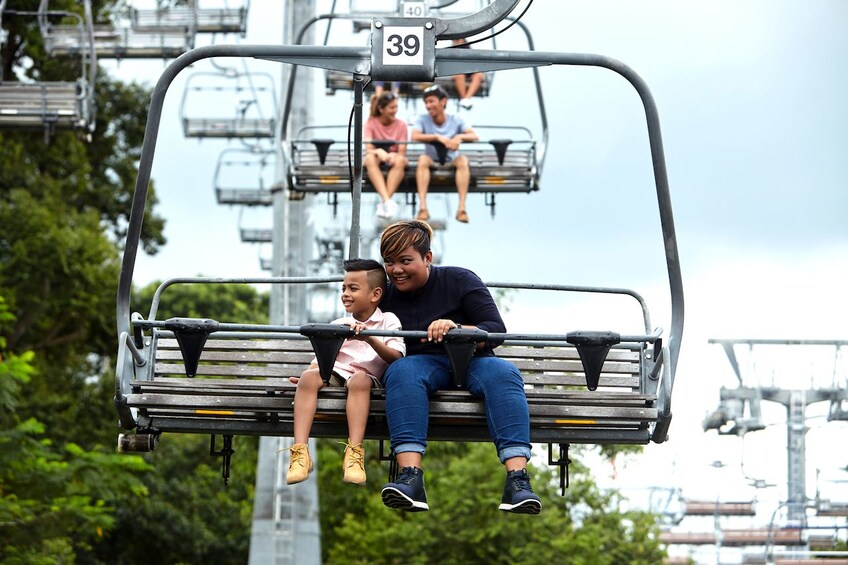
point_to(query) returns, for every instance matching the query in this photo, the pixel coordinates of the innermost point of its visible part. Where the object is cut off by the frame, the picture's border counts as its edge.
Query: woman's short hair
(401, 235)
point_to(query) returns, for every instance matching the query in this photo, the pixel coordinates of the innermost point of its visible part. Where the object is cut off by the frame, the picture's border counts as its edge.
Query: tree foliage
(464, 484)
(55, 501)
(222, 302)
(64, 206)
(188, 512)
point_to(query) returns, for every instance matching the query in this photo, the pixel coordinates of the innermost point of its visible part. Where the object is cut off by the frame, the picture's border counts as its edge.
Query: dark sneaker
(407, 493)
(518, 495)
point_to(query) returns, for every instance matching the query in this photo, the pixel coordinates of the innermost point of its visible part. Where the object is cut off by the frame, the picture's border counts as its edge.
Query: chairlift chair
(511, 162)
(248, 99)
(243, 177)
(181, 375)
(114, 40)
(225, 19)
(51, 105)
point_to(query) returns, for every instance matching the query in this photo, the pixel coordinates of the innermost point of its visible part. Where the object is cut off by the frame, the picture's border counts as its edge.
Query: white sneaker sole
(525, 507)
(393, 498)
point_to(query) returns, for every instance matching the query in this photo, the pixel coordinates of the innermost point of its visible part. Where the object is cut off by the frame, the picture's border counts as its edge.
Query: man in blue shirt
(449, 130)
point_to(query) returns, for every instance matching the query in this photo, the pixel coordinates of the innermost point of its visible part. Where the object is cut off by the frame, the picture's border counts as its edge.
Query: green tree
(55, 500)
(464, 484)
(63, 210)
(187, 515)
(222, 302)
(188, 512)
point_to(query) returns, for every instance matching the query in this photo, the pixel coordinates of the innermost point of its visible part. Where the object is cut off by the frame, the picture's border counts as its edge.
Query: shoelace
(357, 455)
(297, 455)
(521, 482)
(407, 476)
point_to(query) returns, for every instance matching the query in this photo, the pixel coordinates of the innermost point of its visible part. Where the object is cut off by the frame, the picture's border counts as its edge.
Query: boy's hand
(358, 327)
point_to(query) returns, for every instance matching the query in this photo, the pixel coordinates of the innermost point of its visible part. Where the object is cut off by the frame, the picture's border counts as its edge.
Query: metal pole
(285, 518)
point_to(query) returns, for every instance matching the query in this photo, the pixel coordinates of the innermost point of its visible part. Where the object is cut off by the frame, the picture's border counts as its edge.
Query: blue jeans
(410, 381)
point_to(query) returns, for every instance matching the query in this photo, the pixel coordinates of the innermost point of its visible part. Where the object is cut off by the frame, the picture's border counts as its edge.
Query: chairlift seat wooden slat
(737, 538)
(716, 508)
(111, 42)
(242, 386)
(36, 105)
(517, 172)
(203, 20)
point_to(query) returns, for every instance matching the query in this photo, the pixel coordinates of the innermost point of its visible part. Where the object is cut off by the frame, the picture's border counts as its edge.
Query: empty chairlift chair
(224, 105)
(116, 39)
(46, 106)
(244, 177)
(256, 235)
(51, 105)
(202, 19)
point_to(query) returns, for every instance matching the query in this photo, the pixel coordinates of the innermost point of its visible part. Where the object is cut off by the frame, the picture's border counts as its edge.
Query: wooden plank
(295, 370)
(244, 356)
(713, 508)
(516, 172)
(468, 408)
(242, 387)
(277, 370)
(224, 344)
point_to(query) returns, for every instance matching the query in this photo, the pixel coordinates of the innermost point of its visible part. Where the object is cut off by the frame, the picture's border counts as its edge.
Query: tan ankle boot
(354, 464)
(300, 463)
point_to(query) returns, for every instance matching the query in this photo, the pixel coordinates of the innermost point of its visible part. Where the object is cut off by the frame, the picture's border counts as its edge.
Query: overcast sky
(752, 103)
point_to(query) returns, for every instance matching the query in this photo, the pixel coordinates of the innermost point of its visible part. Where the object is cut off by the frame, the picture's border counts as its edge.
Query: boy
(359, 366)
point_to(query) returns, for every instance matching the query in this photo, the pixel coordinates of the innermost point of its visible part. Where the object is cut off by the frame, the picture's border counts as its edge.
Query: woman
(383, 125)
(438, 299)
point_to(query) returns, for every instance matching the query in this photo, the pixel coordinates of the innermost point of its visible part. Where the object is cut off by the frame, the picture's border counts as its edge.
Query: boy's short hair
(376, 272)
(435, 90)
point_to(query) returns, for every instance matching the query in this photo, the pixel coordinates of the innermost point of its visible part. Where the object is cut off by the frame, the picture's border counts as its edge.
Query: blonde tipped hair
(400, 235)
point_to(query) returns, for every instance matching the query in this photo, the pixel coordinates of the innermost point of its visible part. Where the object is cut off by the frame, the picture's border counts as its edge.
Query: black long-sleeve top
(450, 293)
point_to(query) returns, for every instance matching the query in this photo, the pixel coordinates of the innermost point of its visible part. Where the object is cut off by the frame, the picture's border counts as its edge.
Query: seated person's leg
(463, 180)
(422, 181)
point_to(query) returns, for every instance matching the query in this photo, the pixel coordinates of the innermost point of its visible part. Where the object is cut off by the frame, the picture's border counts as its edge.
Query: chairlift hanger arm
(466, 26)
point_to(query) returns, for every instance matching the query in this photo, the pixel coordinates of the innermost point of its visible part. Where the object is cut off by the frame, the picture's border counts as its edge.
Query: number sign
(403, 45)
(414, 10)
